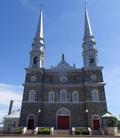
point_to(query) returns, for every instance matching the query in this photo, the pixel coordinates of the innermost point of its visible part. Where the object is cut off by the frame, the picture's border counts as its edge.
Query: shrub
(44, 131)
(18, 130)
(112, 122)
(77, 131)
(118, 124)
(85, 131)
(81, 131)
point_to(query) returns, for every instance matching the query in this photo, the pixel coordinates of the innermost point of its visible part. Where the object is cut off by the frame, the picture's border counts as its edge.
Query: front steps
(61, 132)
(96, 132)
(29, 132)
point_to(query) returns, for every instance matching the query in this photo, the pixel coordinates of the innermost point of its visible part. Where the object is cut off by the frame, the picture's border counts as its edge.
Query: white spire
(38, 46)
(89, 44)
(88, 31)
(88, 36)
(40, 32)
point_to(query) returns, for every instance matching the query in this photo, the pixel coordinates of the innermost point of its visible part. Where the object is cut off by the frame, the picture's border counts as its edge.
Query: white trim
(28, 119)
(95, 101)
(95, 95)
(63, 102)
(87, 84)
(73, 97)
(54, 85)
(68, 115)
(63, 109)
(49, 97)
(63, 94)
(93, 68)
(31, 93)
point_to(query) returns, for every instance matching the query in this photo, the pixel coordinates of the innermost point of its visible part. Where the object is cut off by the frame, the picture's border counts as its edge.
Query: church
(63, 96)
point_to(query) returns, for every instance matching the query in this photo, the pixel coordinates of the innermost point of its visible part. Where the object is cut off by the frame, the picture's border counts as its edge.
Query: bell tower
(90, 58)
(38, 46)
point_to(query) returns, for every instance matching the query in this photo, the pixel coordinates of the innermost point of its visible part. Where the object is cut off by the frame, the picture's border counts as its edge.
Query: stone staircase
(61, 132)
(96, 132)
(29, 132)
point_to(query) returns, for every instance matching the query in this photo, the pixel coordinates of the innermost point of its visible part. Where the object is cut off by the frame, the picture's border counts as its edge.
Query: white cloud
(7, 93)
(27, 4)
(10, 92)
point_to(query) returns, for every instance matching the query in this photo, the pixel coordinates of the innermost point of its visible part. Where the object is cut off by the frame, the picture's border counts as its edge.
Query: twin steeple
(89, 48)
(38, 46)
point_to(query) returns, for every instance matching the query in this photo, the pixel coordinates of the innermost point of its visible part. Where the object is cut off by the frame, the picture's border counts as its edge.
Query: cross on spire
(63, 57)
(85, 4)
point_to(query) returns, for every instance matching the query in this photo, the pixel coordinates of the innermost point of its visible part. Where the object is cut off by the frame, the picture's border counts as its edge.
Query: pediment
(63, 66)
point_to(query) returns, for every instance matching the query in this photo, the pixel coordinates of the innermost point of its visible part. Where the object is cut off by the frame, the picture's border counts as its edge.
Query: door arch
(63, 119)
(96, 122)
(31, 122)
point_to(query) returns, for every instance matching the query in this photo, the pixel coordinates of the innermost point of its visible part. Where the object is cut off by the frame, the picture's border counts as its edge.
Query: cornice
(54, 85)
(93, 68)
(87, 84)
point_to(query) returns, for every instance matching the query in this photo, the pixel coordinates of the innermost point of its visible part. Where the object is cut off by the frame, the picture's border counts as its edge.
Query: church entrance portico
(96, 122)
(30, 122)
(63, 119)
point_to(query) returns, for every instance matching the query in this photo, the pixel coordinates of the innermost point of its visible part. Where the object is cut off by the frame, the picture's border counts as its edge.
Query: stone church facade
(63, 96)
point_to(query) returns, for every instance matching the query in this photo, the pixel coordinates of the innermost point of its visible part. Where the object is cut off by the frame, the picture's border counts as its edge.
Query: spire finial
(63, 57)
(41, 7)
(85, 4)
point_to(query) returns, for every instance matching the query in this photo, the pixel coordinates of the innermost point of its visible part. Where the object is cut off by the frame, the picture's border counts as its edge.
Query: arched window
(63, 112)
(75, 96)
(51, 96)
(32, 95)
(92, 60)
(35, 60)
(63, 95)
(95, 95)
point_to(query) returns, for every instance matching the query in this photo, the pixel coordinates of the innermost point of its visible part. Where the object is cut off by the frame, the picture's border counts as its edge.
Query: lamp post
(86, 110)
(39, 111)
(87, 116)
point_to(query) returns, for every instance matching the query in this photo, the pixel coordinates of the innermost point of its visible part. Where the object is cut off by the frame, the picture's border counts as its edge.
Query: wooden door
(63, 122)
(96, 124)
(30, 124)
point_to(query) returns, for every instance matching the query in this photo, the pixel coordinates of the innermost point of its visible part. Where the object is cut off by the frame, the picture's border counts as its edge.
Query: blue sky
(63, 27)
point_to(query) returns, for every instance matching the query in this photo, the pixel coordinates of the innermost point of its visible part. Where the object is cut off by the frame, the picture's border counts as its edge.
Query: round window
(63, 79)
(33, 78)
(93, 77)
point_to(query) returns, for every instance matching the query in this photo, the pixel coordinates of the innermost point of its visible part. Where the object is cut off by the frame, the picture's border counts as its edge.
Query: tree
(112, 122)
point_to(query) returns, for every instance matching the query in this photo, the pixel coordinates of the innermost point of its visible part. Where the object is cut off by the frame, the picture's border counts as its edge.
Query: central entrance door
(63, 119)
(30, 123)
(63, 122)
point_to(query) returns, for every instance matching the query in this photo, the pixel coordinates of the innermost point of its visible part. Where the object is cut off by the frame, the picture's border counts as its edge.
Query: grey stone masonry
(49, 80)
